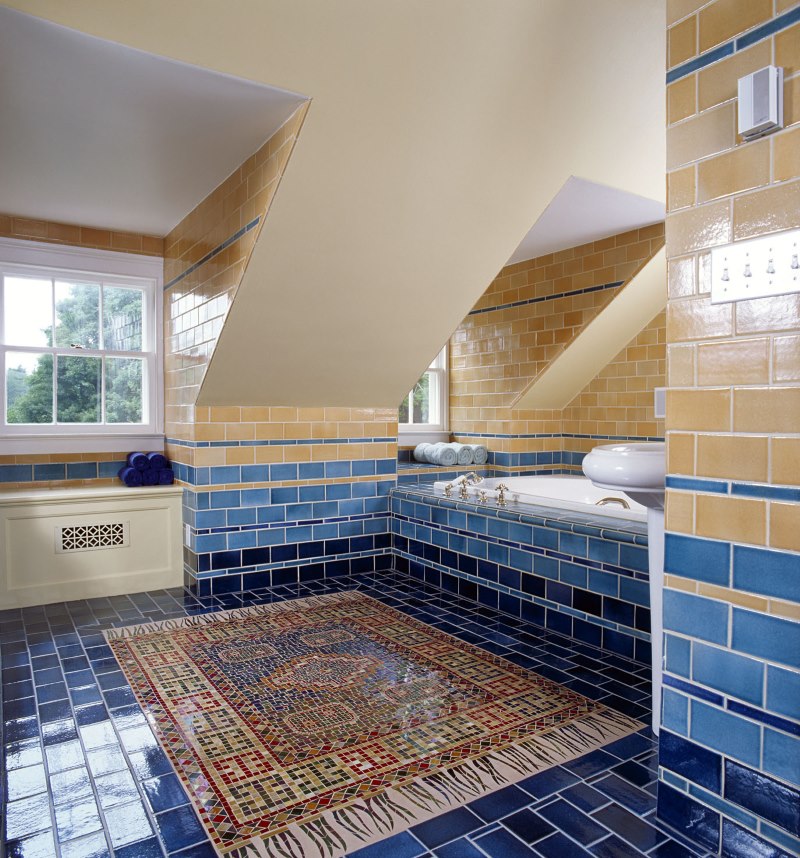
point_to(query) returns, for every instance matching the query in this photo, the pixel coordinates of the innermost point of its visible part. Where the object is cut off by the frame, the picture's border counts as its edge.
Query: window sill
(411, 436)
(117, 443)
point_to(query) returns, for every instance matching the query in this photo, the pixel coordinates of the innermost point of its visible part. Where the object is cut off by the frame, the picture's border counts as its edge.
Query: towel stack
(146, 469)
(450, 455)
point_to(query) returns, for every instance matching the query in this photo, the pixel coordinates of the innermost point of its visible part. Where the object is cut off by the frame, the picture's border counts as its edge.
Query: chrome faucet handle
(448, 490)
(501, 494)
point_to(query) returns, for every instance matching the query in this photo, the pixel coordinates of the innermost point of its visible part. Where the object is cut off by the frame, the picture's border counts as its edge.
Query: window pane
(78, 389)
(29, 388)
(421, 399)
(403, 415)
(28, 311)
(122, 319)
(124, 390)
(77, 315)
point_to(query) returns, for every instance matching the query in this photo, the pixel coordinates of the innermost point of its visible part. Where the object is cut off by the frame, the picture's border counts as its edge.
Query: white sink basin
(639, 470)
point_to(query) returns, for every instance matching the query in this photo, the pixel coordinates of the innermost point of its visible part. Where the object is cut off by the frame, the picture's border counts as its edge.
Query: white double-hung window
(80, 351)
(424, 411)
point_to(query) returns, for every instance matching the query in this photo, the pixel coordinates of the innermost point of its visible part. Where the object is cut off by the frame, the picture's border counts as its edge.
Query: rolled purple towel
(158, 461)
(130, 476)
(166, 477)
(150, 477)
(138, 461)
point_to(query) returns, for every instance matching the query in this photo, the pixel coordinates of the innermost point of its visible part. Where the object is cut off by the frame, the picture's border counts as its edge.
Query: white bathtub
(563, 492)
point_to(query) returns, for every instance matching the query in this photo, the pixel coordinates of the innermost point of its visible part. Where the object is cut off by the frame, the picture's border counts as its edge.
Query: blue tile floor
(84, 777)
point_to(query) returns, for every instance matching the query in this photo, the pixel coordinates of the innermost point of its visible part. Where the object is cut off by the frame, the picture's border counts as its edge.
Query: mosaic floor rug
(315, 726)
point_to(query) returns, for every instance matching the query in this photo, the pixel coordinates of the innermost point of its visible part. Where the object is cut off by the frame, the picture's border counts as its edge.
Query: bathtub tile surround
(731, 732)
(526, 317)
(74, 737)
(581, 575)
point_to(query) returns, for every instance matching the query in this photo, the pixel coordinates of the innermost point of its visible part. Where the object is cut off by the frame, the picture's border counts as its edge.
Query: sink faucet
(473, 478)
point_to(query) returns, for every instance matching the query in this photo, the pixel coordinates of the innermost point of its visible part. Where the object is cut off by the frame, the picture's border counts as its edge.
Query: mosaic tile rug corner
(318, 725)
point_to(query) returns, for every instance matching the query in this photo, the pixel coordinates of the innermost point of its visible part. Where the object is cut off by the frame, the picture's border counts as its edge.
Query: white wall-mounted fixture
(761, 102)
(757, 268)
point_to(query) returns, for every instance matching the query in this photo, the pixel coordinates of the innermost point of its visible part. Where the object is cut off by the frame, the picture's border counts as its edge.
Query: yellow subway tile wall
(29, 229)
(733, 448)
(499, 349)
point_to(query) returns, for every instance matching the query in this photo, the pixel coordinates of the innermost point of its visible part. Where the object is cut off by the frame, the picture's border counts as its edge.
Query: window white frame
(418, 433)
(29, 258)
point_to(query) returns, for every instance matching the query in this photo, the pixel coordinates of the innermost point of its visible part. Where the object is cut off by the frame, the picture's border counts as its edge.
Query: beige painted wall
(437, 134)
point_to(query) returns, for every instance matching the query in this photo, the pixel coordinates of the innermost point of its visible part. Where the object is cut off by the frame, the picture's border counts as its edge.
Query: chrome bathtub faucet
(464, 491)
(501, 494)
(448, 490)
(473, 478)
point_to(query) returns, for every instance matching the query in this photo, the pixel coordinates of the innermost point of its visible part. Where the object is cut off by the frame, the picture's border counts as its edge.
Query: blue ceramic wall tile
(767, 637)
(696, 616)
(764, 796)
(690, 760)
(731, 735)
(728, 672)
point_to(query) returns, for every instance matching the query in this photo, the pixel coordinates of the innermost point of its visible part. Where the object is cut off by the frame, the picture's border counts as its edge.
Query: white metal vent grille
(90, 537)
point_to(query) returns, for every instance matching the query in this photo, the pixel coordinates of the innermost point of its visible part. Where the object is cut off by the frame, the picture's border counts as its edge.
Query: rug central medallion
(317, 725)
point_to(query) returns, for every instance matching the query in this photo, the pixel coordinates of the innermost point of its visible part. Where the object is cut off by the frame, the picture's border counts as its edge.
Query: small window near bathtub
(78, 343)
(424, 409)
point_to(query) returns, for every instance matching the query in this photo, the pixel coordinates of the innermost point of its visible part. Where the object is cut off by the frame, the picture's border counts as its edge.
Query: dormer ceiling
(99, 134)
(437, 135)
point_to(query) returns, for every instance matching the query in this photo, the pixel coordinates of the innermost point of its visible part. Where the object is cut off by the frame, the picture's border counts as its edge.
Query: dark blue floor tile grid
(83, 775)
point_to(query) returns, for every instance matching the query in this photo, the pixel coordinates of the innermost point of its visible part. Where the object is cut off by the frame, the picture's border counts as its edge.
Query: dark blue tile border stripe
(761, 491)
(588, 289)
(215, 252)
(763, 31)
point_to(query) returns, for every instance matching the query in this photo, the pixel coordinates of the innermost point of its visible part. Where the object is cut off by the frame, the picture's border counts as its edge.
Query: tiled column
(730, 743)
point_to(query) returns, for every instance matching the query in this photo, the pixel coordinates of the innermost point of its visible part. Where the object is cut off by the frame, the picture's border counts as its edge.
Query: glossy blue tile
(579, 826)
(690, 760)
(728, 672)
(783, 692)
(737, 842)
(767, 637)
(771, 573)
(697, 822)
(781, 755)
(179, 828)
(149, 848)
(402, 845)
(448, 826)
(768, 798)
(499, 803)
(502, 844)
(634, 799)
(613, 847)
(699, 559)
(559, 846)
(461, 848)
(725, 732)
(696, 616)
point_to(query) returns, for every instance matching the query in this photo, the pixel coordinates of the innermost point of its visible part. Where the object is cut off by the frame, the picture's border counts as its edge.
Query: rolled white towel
(421, 452)
(464, 453)
(445, 455)
(480, 454)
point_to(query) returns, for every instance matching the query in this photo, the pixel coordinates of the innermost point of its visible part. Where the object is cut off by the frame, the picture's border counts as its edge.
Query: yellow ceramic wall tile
(706, 134)
(681, 277)
(679, 512)
(694, 318)
(699, 410)
(786, 155)
(733, 362)
(699, 228)
(787, 50)
(255, 415)
(788, 610)
(735, 597)
(733, 457)
(269, 455)
(675, 582)
(784, 526)
(742, 169)
(723, 517)
(209, 432)
(760, 315)
(725, 18)
(677, 9)
(718, 82)
(680, 453)
(682, 99)
(791, 101)
(785, 468)
(768, 210)
(762, 409)
(681, 188)
(786, 359)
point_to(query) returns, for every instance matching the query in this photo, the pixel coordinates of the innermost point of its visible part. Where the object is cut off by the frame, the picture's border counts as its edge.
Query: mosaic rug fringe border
(121, 632)
(337, 832)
